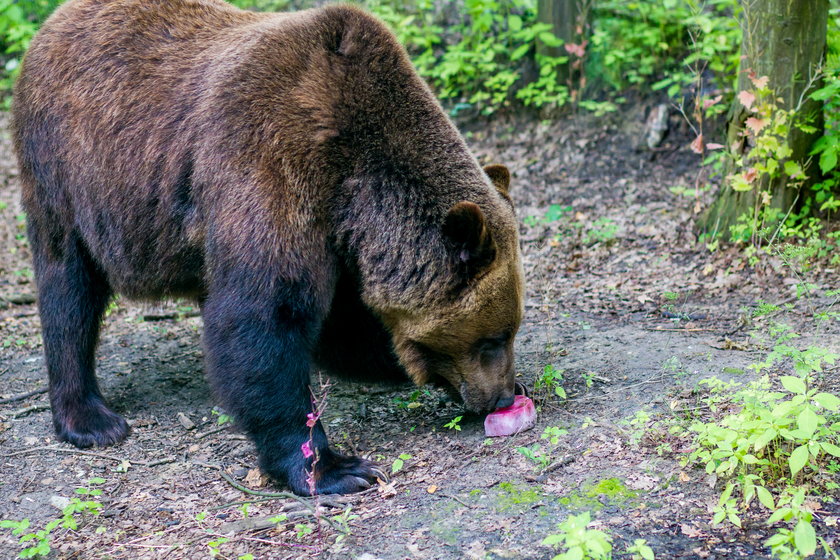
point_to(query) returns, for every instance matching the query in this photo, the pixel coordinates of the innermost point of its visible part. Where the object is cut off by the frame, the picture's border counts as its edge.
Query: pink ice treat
(518, 417)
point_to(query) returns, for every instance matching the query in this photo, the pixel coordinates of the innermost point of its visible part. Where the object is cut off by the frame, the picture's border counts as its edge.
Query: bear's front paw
(334, 473)
(88, 423)
(341, 474)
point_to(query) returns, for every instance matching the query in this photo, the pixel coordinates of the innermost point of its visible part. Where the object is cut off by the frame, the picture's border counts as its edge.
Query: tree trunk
(785, 41)
(564, 17)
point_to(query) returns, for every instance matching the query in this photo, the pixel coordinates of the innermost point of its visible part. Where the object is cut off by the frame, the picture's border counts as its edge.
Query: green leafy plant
(536, 454)
(550, 381)
(221, 417)
(602, 230)
(553, 434)
(37, 543)
(800, 542)
(580, 542)
(771, 436)
(454, 424)
(640, 550)
(481, 62)
(661, 45)
(399, 462)
(215, 545)
(827, 147)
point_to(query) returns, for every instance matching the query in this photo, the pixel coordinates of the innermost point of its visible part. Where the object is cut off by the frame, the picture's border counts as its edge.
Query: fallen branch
(306, 503)
(24, 396)
(660, 329)
(20, 299)
(543, 476)
(608, 393)
(211, 432)
(91, 454)
(29, 410)
(457, 499)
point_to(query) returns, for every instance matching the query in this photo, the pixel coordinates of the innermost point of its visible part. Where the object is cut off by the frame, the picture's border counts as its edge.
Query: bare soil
(620, 297)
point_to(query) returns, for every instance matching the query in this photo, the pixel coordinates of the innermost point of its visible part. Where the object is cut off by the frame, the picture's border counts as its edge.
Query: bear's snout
(482, 402)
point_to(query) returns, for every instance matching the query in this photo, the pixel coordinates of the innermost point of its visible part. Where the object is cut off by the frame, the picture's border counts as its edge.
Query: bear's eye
(492, 343)
(432, 360)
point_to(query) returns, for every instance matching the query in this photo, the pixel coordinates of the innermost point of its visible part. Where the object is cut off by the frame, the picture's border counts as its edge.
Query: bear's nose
(503, 402)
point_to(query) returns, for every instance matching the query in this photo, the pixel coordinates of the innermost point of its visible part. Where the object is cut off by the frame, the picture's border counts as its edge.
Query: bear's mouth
(459, 394)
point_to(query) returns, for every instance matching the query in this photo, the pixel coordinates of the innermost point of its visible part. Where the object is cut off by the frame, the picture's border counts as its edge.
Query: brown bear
(291, 173)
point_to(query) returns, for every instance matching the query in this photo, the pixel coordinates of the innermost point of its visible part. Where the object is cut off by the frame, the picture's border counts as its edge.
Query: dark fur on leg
(259, 359)
(73, 294)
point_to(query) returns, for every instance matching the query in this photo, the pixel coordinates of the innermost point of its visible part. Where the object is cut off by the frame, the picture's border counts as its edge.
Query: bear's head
(468, 340)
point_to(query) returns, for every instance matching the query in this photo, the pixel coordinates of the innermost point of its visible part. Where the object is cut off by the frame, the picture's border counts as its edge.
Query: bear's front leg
(258, 360)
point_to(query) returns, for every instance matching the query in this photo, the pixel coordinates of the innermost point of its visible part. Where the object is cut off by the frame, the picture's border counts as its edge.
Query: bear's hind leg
(72, 296)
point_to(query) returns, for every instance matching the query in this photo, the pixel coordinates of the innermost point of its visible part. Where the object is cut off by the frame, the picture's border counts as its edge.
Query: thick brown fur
(293, 174)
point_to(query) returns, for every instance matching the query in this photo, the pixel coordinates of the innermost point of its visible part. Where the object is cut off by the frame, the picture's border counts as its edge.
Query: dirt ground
(621, 299)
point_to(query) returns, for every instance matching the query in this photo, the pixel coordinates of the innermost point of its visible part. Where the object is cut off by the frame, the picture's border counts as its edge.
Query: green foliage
(454, 424)
(800, 542)
(221, 417)
(640, 550)
(539, 455)
(662, 44)
(768, 161)
(481, 62)
(398, 463)
(536, 454)
(580, 542)
(487, 60)
(19, 20)
(773, 436)
(602, 230)
(550, 381)
(825, 196)
(37, 543)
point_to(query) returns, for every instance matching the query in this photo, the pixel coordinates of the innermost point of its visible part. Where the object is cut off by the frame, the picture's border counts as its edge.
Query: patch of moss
(592, 496)
(511, 496)
(613, 489)
(442, 526)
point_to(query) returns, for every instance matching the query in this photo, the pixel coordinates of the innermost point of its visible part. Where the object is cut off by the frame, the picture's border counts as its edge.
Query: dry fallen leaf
(690, 531)
(254, 479)
(386, 489)
(432, 489)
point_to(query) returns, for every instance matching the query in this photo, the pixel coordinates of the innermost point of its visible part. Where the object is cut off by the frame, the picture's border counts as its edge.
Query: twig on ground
(457, 499)
(661, 329)
(543, 476)
(618, 389)
(29, 410)
(90, 454)
(310, 504)
(211, 432)
(20, 299)
(24, 396)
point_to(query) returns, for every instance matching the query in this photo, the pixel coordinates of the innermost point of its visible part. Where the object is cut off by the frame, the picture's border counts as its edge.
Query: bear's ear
(500, 176)
(465, 227)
